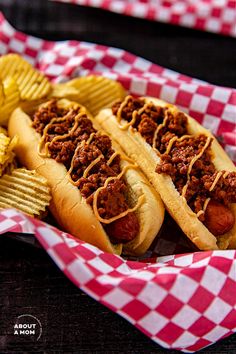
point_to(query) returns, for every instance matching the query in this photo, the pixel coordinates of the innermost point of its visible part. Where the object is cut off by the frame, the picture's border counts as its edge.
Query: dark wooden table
(72, 322)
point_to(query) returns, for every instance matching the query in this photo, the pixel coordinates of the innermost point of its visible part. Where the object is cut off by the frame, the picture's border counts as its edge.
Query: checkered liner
(186, 301)
(217, 16)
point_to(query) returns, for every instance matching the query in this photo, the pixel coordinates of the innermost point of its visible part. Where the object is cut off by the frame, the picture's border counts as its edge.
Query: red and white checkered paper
(218, 16)
(185, 301)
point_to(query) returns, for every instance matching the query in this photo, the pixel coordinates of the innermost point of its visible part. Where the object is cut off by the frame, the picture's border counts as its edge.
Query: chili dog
(185, 163)
(98, 194)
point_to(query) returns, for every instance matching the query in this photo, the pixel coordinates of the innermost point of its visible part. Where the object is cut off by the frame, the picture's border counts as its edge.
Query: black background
(30, 282)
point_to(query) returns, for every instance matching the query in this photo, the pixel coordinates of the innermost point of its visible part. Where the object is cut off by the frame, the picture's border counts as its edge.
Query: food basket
(181, 300)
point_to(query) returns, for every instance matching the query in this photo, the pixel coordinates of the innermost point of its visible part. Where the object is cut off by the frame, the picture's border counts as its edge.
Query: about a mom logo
(28, 326)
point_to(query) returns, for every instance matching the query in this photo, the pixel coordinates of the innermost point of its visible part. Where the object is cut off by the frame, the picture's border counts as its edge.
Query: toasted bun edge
(141, 152)
(70, 210)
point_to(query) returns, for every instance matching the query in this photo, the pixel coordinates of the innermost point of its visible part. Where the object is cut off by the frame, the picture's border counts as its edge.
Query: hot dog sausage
(219, 219)
(123, 230)
(184, 162)
(98, 193)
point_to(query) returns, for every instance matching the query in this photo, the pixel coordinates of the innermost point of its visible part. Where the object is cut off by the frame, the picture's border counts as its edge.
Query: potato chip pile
(6, 152)
(22, 85)
(9, 98)
(19, 82)
(24, 190)
(20, 188)
(97, 92)
(31, 83)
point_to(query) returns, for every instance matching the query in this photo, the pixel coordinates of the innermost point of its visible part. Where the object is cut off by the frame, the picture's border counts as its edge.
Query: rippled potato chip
(6, 152)
(32, 84)
(10, 99)
(2, 96)
(64, 91)
(97, 92)
(10, 167)
(24, 190)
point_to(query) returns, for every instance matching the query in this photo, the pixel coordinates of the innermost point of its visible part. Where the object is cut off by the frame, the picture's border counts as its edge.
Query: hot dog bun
(140, 151)
(68, 206)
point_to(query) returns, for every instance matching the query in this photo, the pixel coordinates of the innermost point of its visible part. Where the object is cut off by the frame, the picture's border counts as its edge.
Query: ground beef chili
(112, 200)
(148, 121)
(176, 162)
(45, 114)
(202, 175)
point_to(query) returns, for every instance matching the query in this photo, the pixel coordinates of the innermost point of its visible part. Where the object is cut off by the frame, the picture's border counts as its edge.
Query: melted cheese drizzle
(46, 153)
(218, 176)
(45, 130)
(184, 190)
(175, 138)
(193, 162)
(113, 156)
(92, 164)
(141, 199)
(91, 136)
(72, 162)
(159, 127)
(169, 147)
(122, 106)
(135, 113)
(42, 144)
(226, 174)
(204, 207)
(199, 155)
